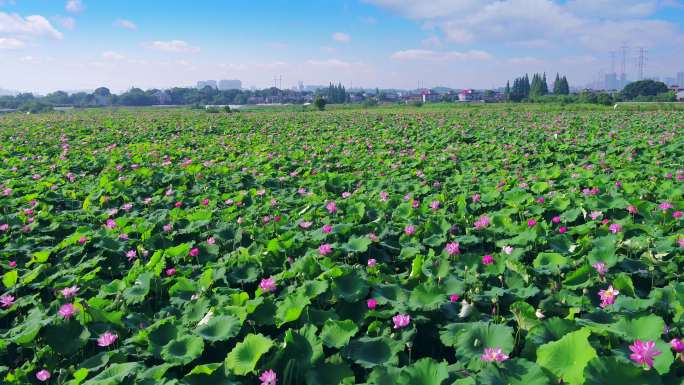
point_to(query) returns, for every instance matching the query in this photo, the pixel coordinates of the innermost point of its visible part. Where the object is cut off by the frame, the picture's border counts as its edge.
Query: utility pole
(641, 62)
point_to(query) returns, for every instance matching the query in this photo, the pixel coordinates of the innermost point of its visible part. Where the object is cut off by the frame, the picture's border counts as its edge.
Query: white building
(206, 83)
(680, 96)
(225, 85)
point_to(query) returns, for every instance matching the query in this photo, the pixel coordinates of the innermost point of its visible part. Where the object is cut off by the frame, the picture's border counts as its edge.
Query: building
(680, 96)
(225, 85)
(466, 95)
(430, 96)
(206, 83)
(680, 79)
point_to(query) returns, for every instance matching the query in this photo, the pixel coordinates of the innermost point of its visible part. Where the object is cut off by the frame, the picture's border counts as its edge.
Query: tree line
(524, 89)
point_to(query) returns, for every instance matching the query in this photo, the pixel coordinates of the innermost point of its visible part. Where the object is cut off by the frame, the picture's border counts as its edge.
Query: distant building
(225, 85)
(206, 83)
(429, 96)
(680, 96)
(466, 95)
(680, 79)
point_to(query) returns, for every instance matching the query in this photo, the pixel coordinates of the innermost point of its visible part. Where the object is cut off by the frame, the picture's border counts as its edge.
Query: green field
(433, 245)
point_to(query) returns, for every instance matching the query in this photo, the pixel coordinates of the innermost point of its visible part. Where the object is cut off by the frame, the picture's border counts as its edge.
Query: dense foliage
(468, 246)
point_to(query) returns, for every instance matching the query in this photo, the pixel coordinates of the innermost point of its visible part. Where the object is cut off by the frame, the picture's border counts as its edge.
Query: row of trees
(337, 94)
(524, 89)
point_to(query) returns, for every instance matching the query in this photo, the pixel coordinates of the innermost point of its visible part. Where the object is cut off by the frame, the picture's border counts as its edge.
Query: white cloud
(341, 37)
(34, 25)
(111, 55)
(10, 43)
(330, 63)
(173, 46)
(125, 24)
(578, 24)
(74, 6)
(426, 54)
(525, 60)
(65, 22)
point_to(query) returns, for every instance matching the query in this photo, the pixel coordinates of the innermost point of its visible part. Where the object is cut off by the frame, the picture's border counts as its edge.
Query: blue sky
(70, 44)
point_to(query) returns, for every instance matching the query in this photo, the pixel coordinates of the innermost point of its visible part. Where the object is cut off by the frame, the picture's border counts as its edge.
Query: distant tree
(557, 85)
(564, 86)
(643, 88)
(544, 85)
(319, 102)
(507, 91)
(102, 91)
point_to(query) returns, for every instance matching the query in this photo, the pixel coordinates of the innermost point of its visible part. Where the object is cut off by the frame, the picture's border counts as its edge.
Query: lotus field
(413, 247)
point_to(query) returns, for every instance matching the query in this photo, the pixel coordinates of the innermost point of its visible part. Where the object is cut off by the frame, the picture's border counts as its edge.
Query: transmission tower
(641, 62)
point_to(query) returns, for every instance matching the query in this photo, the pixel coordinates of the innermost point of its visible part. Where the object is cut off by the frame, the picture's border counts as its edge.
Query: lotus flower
(401, 321)
(372, 262)
(268, 378)
(267, 285)
(194, 252)
(608, 296)
(453, 298)
(493, 355)
(677, 345)
(69, 292)
(372, 303)
(43, 375)
(6, 301)
(600, 268)
(331, 207)
(452, 248)
(325, 249)
(68, 310)
(644, 352)
(487, 260)
(106, 339)
(410, 230)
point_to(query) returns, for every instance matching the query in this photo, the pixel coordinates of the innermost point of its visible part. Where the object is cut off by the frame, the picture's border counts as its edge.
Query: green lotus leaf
(183, 350)
(114, 374)
(608, 370)
(66, 338)
(425, 371)
(159, 335)
(373, 351)
(330, 374)
(246, 354)
(513, 372)
(567, 357)
(470, 339)
(351, 287)
(336, 334)
(290, 309)
(139, 289)
(220, 328)
(648, 327)
(427, 297)
(357, 244)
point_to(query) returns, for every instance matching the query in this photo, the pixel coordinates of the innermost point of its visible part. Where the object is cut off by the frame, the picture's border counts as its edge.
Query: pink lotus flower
(327, 229)
(266, 219)
(106, 339)
(618, 184)
(541, 200)
(493, 355)
(600, 268)
(267, 285)
(6, 301)
(178, 204)
(331, 207)
(677, 214)
(415, 204)
(677, 345)
(615, 228)
(531, 223)
(373, 237)
(131, 255)
(644, 352)
(268, 378)
(12, 264)
(453, 298)
(372, 262)
(346, 194)
(401, 321)
(556, 219)
(194, 252)
(69, 292)
(372, 303)
(211, 241)
(110, 224)
(452, 248)
(562, 229)
(487, 260)
(680, 242)
(410, 230)
(43, 375)
(665, 206)
(434, 205)
(384, 196)
(82, 240)
(168, 228)
(475, 198)
(507, 250)
(595, 214)
(68, 310)
(305, 225)
(4, 227)
(482, 222)
(170, 271)
(325, 249)
(608, 296)
(632, 209)
(205, 202)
